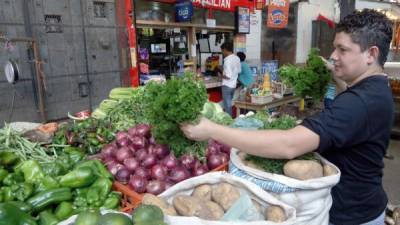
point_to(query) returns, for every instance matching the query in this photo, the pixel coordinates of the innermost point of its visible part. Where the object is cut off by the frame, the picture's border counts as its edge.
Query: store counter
(257, 107)
(213, 85)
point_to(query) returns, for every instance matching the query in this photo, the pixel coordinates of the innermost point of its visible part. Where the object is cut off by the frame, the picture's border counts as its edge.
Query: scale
(11, 71)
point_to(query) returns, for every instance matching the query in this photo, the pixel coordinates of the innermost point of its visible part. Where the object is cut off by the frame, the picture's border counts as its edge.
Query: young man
(229, 75)
(353, 133)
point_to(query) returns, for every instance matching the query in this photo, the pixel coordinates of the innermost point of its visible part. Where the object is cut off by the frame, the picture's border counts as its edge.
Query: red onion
(212, 150)
(123, 142)
(132, 149)
(132, 131)
(213, 161)
(108, 150)
(168, 183)
(170, 161)
(108, 159)
(143, 130)
(149, 161)
(161, 151)
(226, 149)
(120, 135)
(158, 172)
(187, 161)
(155, 187)
(123, 175)
(142, 172)
(131, 164)
(139, 142)
(114, 167)
(138, 183)
(200, 170)
(151, 149)
(122, 154)
(141, 154)
(179, 174)
(152, 140)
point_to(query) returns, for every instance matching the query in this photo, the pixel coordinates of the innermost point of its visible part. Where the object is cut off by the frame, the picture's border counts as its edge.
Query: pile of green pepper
(33, 193)
(88, 135)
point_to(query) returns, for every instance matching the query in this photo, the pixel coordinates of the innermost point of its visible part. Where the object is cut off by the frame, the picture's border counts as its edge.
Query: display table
(276, 102)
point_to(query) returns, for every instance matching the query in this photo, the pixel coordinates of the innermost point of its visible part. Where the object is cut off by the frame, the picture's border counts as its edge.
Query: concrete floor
(391, 177)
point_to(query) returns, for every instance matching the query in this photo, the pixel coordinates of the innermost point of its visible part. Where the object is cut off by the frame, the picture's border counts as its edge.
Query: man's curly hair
(368, 28)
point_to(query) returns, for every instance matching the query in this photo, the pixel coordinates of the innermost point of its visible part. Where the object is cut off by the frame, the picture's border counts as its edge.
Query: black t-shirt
(354, 134)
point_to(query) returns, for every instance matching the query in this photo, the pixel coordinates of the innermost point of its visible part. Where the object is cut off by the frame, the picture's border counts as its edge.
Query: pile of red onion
(136, 159)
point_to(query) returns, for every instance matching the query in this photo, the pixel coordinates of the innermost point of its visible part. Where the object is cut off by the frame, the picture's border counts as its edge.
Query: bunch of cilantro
(311, 80)
(168, 104)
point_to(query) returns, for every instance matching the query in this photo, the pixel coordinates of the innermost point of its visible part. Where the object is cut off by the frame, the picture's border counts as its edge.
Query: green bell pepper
(3, 174)
(32, 171)
(47, 183)
(111, 202)
(93, 195)
(64, 210)
(8, 158)
(103, 185)
(47, 218)
(80, 177)
(24, 191)
(12, 179)
(7, 194)
(52, 169)
(74, 154)
(12, 215)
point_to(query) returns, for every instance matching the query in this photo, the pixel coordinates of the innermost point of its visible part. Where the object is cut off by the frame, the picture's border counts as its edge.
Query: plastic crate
(261, 99)
(131, 199)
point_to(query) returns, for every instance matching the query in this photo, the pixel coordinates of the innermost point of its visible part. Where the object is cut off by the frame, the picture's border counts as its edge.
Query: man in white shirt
(230, 74)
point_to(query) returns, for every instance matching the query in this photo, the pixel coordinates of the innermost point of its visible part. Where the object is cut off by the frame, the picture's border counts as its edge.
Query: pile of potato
(210, 202)
(298, 169)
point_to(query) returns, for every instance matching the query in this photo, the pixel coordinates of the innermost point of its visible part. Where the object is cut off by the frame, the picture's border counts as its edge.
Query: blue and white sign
(271, 66)
(183, 11)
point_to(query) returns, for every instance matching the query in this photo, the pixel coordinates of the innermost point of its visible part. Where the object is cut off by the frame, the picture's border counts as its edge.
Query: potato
(203, 192)
(196, 206)
(303, 169)
(216, 210)
(225, 195)
(275, 214)
(329, 170)
(186, 205)
(257, 206)
(150, 199)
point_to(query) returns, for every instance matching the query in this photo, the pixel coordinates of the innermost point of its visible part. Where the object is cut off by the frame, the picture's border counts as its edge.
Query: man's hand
(199, 132)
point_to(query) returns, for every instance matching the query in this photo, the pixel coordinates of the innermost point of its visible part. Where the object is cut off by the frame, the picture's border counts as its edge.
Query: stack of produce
(135, 158)
(143, 215)
(89, 135)
(213, 202)
(311, 80)
(124, 109)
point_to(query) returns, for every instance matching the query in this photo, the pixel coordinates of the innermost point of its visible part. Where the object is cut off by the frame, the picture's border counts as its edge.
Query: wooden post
(40, 82)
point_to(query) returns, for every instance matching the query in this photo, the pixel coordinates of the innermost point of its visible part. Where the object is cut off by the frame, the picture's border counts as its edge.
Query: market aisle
(391, 178)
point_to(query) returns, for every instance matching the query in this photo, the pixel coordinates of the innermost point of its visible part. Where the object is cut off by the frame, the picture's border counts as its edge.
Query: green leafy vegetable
(167, 105)
(312, 80)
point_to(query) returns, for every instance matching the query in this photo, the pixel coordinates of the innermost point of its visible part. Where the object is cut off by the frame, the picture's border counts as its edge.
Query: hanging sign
(224, 5)
(278, 13)
(183, 11)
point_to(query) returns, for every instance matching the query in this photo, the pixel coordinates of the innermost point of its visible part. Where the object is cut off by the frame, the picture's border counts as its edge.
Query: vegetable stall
(105, 167)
